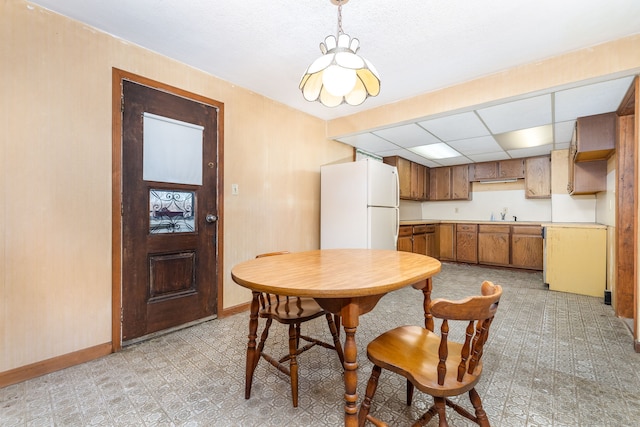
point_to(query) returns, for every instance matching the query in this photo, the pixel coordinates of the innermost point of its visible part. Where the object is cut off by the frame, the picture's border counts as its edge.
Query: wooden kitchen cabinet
(419, 182)
(467, 243)
(498, 170)
(511, 169)
(446, 235)
(595, 137)
(413, 177)
(537, 178)
(526, 247)
(440, 183)
(493, 244)
(460, 189)
(449, 183)
(404, 174)
(431, 241)
(405, 238)
(419, 239)
(593, 141)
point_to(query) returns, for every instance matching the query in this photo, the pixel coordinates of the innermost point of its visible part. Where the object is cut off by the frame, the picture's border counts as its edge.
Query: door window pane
(172, 150)
(171, 211)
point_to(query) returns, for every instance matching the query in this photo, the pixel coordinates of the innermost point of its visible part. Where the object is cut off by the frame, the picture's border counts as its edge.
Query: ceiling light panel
(452, 161)
(589, 100)
(525, 113)
(435, 151)
(525, 138)
(409, 135)
(455, 127)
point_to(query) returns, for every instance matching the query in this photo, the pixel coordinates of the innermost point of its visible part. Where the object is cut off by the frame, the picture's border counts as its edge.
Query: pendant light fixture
(340, 76)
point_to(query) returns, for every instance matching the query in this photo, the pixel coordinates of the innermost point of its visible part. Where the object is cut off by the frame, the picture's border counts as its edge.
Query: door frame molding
(116, 191)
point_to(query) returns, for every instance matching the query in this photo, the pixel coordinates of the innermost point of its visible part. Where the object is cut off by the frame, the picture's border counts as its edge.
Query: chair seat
(294, 310)
(412, 352)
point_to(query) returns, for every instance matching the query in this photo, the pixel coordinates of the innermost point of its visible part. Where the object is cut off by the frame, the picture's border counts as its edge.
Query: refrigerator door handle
(397, 191)
(397, 226)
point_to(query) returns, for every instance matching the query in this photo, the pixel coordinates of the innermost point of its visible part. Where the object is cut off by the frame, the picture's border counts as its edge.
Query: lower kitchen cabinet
(493, 244)
(526, 247)
(447, 242)
(467, 243)
(405, 238)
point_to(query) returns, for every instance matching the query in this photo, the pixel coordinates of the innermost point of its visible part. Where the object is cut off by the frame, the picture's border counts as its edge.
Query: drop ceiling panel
(409, 135)
(455, 127)
(563, 131)
(368, 142)
(409, 156)
(487, 157)
(474, 146)
(530, 152)
(589, 100)
(521, 114)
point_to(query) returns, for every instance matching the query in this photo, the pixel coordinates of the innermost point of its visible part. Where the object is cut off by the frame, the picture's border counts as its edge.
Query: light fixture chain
(340, 18)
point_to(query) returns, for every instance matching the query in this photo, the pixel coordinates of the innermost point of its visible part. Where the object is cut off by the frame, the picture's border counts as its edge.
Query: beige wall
(55, 252)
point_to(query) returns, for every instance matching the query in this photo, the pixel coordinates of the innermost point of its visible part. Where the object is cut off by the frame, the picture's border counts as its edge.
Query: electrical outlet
(234, 189)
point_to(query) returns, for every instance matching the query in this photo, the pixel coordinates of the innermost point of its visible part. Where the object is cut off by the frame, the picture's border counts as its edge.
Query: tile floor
(553, 359)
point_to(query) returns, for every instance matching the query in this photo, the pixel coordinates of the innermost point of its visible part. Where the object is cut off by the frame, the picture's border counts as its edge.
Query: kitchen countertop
(544, 224)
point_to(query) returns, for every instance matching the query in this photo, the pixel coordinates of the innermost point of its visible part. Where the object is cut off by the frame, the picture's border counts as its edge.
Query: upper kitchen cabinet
(414, 178)
(449, 183)
(496, 171)
(593, 141)
(537, 179)
(594, 137)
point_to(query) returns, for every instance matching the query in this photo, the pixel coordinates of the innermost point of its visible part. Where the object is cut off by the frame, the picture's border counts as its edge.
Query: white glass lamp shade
(340, 75)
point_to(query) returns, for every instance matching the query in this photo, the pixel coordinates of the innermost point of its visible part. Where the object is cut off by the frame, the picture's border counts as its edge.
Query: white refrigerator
(359, 205)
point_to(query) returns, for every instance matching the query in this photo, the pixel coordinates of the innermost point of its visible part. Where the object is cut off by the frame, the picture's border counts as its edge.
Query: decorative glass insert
(171, 211)
(172, 150)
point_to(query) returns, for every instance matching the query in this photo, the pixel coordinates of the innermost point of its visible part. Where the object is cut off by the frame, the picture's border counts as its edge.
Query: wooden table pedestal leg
(350, 323)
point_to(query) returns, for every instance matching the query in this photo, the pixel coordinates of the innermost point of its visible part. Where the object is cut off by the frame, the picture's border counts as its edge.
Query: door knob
(211, 218)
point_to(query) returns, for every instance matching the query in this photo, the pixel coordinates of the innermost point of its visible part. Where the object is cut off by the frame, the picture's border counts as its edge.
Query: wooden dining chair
(292, 311)
(432, 363)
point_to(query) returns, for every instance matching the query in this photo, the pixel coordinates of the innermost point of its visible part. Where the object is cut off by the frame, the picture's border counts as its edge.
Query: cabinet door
(420, 244)
(467, 243)
(511, 169)
(483, 171)
(431, 244)
(493, 248)
(440, 183)
(595, 136)
(460, 182)
(404, 174)
(405, 244)
(537, 179)
(447, 242)
(417, 181)
(526, 247)
(405, 238)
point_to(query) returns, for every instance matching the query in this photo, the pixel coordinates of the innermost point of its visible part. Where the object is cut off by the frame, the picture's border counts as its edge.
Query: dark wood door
(169, 210)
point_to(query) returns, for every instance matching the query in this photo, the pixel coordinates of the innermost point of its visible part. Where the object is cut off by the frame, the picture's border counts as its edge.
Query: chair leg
(372, 385)
(293, 363)
(481, 415)
(336, 337)
(409, 392)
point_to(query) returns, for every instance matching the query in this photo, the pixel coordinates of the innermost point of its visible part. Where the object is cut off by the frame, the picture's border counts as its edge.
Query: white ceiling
(417, 46)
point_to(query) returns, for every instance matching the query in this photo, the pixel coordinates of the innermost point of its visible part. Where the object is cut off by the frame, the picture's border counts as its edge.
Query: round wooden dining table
(345, 282)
